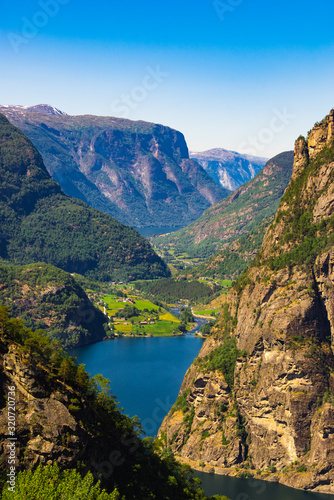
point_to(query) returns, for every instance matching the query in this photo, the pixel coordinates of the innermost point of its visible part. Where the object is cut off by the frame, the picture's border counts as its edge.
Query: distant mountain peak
(39, 108)
(221, 153)
(229, 169)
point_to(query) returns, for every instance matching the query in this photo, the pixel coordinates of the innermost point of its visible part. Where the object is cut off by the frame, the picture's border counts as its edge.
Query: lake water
(155, 230)
(253, 489)
(146, 375)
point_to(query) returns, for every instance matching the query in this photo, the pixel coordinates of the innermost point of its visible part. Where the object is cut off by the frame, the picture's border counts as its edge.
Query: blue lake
(253, 489)
(146, 375)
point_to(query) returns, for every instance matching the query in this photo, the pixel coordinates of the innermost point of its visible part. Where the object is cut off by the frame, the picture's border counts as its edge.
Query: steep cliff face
(138, 172)
(269, 363)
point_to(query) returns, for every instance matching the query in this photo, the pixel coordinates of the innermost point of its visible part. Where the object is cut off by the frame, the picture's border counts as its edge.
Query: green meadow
(159, 321)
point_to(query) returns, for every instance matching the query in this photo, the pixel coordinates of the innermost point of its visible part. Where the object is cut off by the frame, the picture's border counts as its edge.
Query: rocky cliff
(138, 172)
(258, 401)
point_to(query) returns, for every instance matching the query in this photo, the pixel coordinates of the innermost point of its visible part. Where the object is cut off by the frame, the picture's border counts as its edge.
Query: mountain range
(138, 172)
(229, 168)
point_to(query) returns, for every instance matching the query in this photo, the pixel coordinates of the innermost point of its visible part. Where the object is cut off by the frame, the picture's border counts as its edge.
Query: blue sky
(246, 75)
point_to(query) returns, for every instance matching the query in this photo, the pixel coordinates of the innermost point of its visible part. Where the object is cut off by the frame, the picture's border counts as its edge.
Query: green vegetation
(170, 290)
(186, 315)
(305, 237)
(102, 428)
(230, 263)
(181, 402)
(224, 359)
(38, 223)
(143, 317)
(206, 312)
(207, 327)
(48, 298)
(50, 483)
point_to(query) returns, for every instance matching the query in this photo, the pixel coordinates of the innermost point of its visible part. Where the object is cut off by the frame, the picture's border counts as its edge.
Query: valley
(226, 304)
(166, 250)
(243, 216)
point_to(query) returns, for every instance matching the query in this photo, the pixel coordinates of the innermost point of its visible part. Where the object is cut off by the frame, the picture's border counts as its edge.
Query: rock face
(228, 168)
(138, 172)
(46, 430)
(275, 335)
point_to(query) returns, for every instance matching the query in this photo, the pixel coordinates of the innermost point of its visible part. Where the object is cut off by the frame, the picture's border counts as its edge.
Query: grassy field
(224, 283)
(165, 323)
(206, 312)
(141, 304)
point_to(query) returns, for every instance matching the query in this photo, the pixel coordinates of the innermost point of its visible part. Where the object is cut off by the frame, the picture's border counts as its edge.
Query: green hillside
(233, 217)
(48, 298)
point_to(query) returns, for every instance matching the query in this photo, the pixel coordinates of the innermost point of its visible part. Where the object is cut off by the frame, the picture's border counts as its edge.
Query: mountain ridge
(234, 216)
(138, 172)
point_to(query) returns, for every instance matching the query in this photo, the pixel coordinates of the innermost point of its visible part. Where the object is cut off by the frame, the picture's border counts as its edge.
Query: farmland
(133, 315)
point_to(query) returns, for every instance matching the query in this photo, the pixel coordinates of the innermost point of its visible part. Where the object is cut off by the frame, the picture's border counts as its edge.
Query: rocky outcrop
(138, 172)
(321, 135)
(46, 431)
(280, 316)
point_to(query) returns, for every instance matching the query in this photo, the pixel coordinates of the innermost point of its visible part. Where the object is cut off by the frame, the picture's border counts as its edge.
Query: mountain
(234, 216)
(229, 169)
(232, 261)
(258, 401)
(39, 108)
(138, 172)
(38, 223)
(70, 425)
(48, 298)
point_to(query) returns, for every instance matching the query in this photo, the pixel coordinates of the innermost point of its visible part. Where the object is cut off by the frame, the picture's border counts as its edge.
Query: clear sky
(246, 75)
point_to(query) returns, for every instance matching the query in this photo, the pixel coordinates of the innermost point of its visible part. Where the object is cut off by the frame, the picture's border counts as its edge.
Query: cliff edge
(258, 401)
